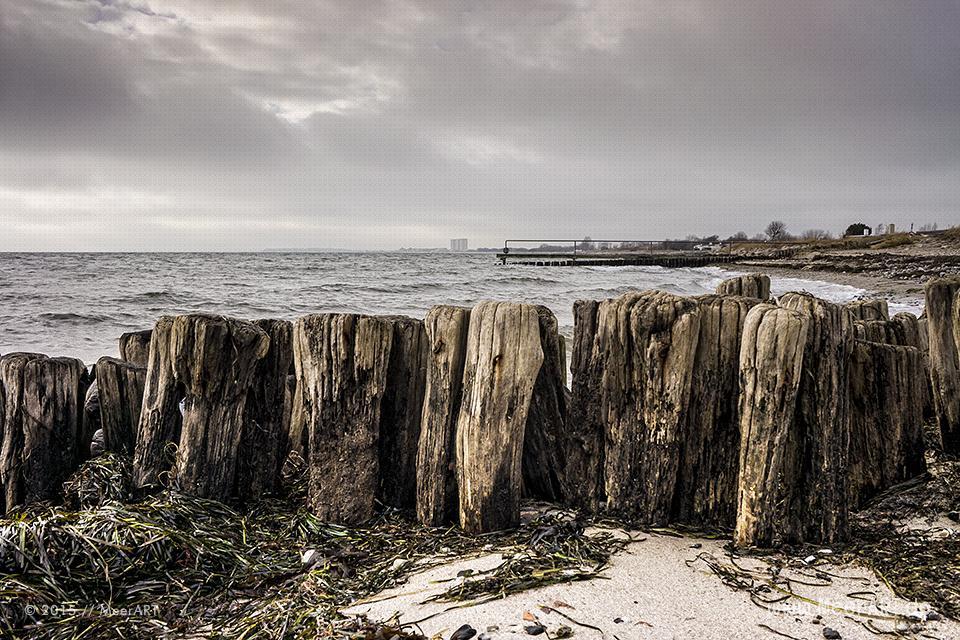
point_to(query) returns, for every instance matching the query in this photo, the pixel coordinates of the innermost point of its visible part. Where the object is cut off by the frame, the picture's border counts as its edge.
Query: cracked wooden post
(751, 285)
(42, 425)
(120, 384)
(502, 363)
(437, 500)
(263, 437)
(341, 362)
(771, 364)
(647, 342)
(401, 412)
(710, 457)
(903, 329)
(823, 419)
(207, 363)
(887, 393)
(943, 325)
(869, 309)
(584, 446)
(135, 347)
(544, 459)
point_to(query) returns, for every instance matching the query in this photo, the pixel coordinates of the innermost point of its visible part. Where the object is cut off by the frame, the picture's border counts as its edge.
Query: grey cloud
(400, 122)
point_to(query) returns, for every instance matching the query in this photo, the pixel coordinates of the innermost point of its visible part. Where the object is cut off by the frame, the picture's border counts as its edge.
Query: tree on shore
(816, 234)
(857, 229)
(777, 230)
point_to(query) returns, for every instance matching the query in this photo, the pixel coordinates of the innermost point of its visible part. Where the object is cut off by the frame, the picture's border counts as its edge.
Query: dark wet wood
(706, 492)
(544, 460)
(584, 444)
(646, 344)
(341, 363)
(263, 438)
(943, 332)
(401, 412)
(869, 309)
(42, 422)
(120, 386)
(887, 393)
(437, 500)
(208, 363)
(502, 363)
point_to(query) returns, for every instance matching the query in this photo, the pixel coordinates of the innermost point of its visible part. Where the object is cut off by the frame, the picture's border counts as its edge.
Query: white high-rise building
(458, 244)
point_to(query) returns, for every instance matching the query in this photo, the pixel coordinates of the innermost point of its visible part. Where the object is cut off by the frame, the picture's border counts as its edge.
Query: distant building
(458, 244)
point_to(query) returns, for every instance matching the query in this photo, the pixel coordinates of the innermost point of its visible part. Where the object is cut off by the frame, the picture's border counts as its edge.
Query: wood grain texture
(585, 440)
(135, 347)
(943, 325)
(502, 363)
(341, 365)
(869, 309)
(447, 328)
(771, 365)
(751, 285)
(120, 384)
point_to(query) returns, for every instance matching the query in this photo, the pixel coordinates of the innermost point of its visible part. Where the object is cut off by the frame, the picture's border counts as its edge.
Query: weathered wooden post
(887, 393)
(206, 362)
(902, 329)
(135, 347)
(771, 365)
(401, 411)
(943, 325)
(502, 363)
(876, 309)
(42, 425)
(341, 362)
(751, 285)
(437, 500)
(585, 445)
(120, 386)
(647, 342)
(544, 460)
(710, 455)
(823, 417)
(263, 436)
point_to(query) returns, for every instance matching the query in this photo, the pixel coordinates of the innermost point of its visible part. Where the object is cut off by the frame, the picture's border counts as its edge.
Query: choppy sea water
(77, 304)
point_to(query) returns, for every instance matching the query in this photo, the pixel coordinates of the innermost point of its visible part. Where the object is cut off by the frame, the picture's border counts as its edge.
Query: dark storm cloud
(187, 124)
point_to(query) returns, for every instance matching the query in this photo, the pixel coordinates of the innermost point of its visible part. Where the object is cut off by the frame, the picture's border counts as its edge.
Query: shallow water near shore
(77, 304)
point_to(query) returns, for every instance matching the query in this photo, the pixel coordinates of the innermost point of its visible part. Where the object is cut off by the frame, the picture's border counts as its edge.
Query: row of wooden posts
(728, 410)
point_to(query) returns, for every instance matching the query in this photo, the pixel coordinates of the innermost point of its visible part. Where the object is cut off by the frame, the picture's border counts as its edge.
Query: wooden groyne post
(943, 328)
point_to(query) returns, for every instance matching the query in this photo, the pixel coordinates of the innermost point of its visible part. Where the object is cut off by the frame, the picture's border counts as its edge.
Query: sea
(78, 304)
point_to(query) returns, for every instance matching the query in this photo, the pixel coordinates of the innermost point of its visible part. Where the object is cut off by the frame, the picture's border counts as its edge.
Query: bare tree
(816, 234)
(776, 230)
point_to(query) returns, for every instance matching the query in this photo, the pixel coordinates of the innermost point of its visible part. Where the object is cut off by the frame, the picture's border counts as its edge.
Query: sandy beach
(662, 587)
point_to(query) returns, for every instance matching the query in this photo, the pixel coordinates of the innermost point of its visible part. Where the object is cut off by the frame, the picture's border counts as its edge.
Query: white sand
(656, 595)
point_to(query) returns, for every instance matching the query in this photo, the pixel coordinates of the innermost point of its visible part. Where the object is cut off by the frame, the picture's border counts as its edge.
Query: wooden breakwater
(773, 418)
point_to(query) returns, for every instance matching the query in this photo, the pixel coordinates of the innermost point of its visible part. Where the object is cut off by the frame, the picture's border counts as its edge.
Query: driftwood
(584, 447)
(262, 448)
(752, 285)
(437, 500)
(646, 343)
(502, 363)
(943, 325)
(120, 386)
(544, 461)
(341, 362)
(887, 392)
(401, 411)
(869, 309)
(42, 425)
(205, 364)
(771, 363)
(823, 420)
(710, 457)
(135, 347)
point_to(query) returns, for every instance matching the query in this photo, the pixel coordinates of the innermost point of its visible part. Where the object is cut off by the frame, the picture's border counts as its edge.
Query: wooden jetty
(620, 253)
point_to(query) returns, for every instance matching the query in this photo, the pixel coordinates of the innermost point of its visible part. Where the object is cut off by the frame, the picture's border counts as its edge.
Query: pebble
(534, 629)
(563, 632)
(831, 634)
(463, 633)
(933, 616)
(696, 545)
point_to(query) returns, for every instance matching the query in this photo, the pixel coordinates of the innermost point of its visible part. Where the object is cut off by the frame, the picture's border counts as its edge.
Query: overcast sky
(204, 125)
